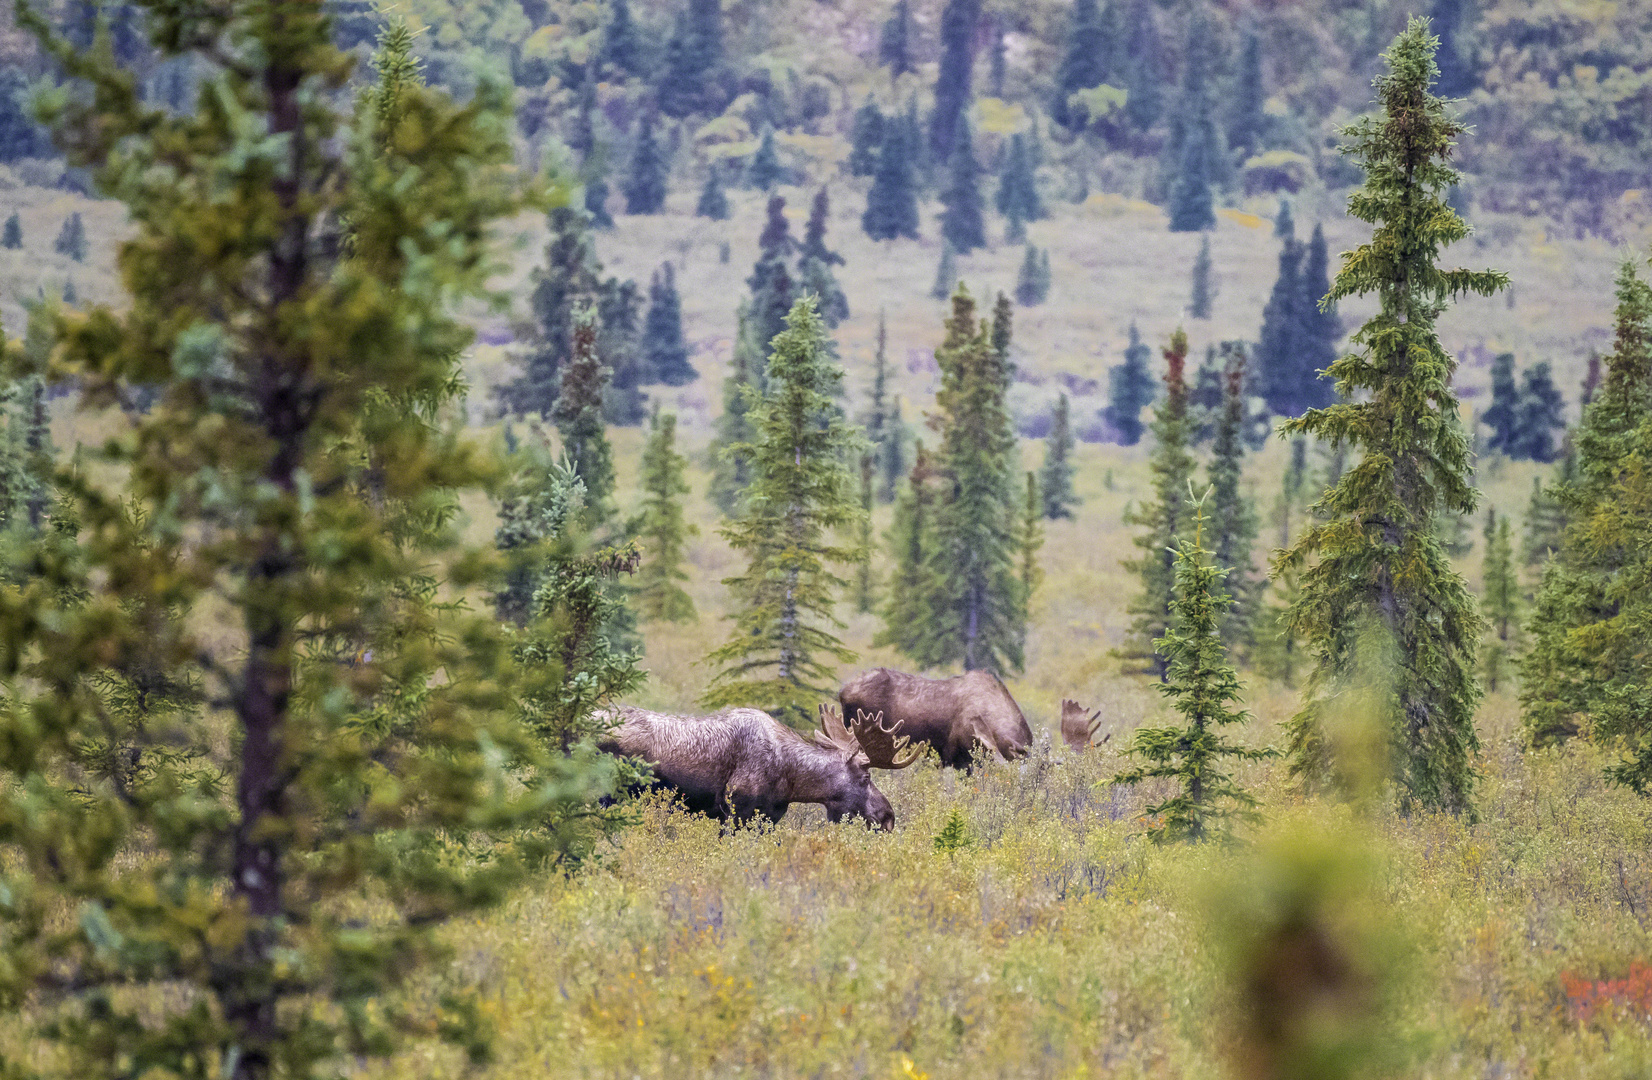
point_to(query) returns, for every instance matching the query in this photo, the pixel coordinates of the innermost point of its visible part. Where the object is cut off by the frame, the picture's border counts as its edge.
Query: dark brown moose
(742, 762)
(952, 715)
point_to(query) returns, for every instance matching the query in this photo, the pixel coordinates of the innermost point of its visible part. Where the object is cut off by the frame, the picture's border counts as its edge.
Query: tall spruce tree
(713, 202)
(1247, 117)
(578, 415)
(1499, 599)
(975, 609)
(213, 890)
(895, 40)
(772, 284)
(71, 238)
(1164, 518)
(892, 202)
(962, 222)
(623, 51)
(765, 172)
(1056, 479)
(1192, 207)
(1584, 651)
(1381, 582)
(1017, 196)
(1233, 523)
(780, 656)
(1502, 415)
(1203, 687)
(815, 262)
(664, 350)
(1539, 414)
(692, 56)
(1319, 327)
(660, 529)
(1129, 390)
(1279, 341)
(645, 184)
(1087, 61)
(908, 607)
(1144, 81)
(866, 139)
(959, 19)
(730, 461)
(1204, 283)
(865, 586)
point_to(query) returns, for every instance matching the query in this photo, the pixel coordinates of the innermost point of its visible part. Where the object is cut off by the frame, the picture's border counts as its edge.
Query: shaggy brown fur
(952, 715)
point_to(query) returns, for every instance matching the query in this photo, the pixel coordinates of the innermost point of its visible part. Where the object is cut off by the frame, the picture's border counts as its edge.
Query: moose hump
(952, 715)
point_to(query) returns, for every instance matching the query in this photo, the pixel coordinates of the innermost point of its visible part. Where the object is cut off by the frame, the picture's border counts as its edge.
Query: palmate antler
(883, 748)
(1077, 729)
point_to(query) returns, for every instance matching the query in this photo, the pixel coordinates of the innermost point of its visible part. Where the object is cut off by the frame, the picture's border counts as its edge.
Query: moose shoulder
(741, 763)
(952, 715)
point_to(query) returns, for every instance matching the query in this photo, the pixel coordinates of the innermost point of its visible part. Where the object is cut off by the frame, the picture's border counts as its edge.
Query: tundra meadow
(390, 389)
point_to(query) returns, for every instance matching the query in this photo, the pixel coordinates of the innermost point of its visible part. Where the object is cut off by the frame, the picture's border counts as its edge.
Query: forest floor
(1059, 943)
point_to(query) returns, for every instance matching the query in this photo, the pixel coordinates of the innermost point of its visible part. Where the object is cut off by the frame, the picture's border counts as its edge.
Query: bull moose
(952, 715)
(742, 762)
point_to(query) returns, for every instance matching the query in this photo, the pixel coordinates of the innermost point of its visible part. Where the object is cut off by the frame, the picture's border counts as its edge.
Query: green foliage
(71, 239)
(947, 127)
(1587, 666)
(1541, 413)
(911, 541)
(1204, 283)
(865, 586)
(765, 170)
(1165, 517)
(963, 224)
(815, 262)
(578, 415)
(884, 429)
(779, 658)
(1129, 390)
(12, 238)
(731, 463)
(20, 136)
(692, 57)
(665, 351)
(1297, 343)
(892, 201)
(645, 183)
(713, 201)
(1499, 599)
(1017, 196)
(297, 475)
(975, 615)
(954, 835)
(659, 527)
(1032, 281)
(946, 272)
(1380, 566)
(866, 139)
(1233, 523)
(1203, 687)
(1088, 59)
(1056, 478)
(1502, 415)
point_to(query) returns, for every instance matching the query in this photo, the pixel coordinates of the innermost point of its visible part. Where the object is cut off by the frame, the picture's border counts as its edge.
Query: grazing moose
(743, 762)
(1077, 730)
(952, 715)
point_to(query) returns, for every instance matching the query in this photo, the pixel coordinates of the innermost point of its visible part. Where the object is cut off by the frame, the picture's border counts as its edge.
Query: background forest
(1065, 253)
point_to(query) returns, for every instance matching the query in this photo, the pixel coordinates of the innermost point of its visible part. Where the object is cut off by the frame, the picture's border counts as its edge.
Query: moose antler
(1077, 729)
(833, 735)
(884, 749)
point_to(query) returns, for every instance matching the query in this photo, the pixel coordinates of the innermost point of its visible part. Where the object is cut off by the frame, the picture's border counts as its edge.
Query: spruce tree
(815, 262)
(622, 44)
(645, 185)
(1246, 116)
(1456, 67)
(1499, 599)
(975, 610)
(1203, 687)
(865, 601)
(1545, 517)
(946, 272)
(1319, 328)
(659, 527)
(1279, 342)
(664, 350)
(1583, 626)
(692, 55)
(361, 722)
(1192, 208)
(1381, 581)
(713, 202)
(1539, 414)
(595, 182)
(895, 41)
(619, 344)
(1056, 480)
(780, 656)
(892, 202)
(1284, 225)
(580, 136)
(953, 95)
(20, 136)
(883, 422)
(1502, 415)
(730, 463)
(962, 222)
(1129, 390)
(765, 171)
(893, 458)
(908, 607)
(1029, 539)
(1204, 283)
(1165, 517)
(1031, 286)
(578, 415)
(71, 239)
(12, 238)
(773, 288)
(1085, 64)
(866, 139)
(1233, 524)
(1017, 196)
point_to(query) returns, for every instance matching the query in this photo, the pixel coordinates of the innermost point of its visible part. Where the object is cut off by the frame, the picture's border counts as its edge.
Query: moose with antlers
(740, 763)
